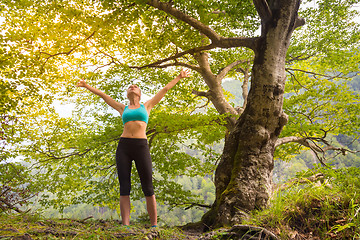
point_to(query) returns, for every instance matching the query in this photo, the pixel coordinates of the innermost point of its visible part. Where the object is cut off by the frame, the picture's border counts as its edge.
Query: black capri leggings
(136, 149)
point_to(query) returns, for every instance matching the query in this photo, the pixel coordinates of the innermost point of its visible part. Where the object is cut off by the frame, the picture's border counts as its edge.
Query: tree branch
(317, 74)
(223, 43)
(51, 156)
(191, 205)
(113, 59)
(193, 67)
(228, 68)
(68, 52)
(197, 205)
(176, 63)
(238, 42)
(245, 86)
(300, 57)
(8, 206)
(105, 65)
(311, 142)
(178, 55)
(299, 22)
(204, 105)
(290, 139)
(263, 9)
(294, 77)
(202, 28)
(249, 232)
(200, 94)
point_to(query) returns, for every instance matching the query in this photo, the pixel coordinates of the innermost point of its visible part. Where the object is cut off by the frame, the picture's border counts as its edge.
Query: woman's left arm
(157, 98)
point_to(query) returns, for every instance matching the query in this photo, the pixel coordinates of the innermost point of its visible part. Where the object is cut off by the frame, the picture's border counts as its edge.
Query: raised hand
(184, 73)
(81, 83)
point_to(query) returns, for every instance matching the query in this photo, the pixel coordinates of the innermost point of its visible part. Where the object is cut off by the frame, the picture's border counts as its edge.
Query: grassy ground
(321, 208)
(27, 226)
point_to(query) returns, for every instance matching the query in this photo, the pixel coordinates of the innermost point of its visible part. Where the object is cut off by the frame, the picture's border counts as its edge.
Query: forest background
(68, 162)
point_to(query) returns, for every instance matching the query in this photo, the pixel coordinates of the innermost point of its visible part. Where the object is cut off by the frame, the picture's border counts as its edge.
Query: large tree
(120, 40)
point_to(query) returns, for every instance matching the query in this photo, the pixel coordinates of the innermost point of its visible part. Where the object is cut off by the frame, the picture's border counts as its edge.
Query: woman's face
(134, 90)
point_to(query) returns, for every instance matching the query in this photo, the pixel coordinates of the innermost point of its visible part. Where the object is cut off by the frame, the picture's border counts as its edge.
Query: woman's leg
(144, 167)
(151, 208)
(123, 165)
(125, 209)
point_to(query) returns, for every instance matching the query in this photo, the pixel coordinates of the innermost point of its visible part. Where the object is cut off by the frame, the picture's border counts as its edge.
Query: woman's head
(133, 91)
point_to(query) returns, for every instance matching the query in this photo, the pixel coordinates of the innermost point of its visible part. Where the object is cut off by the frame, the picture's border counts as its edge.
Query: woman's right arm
(111, 102)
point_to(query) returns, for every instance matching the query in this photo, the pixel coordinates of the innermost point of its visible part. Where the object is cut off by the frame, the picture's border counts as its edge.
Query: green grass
(325, 209)
(27, 224)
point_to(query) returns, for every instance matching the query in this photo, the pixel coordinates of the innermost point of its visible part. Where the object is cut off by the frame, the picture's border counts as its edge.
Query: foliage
(285, 170)
(16, 188)
(48, 45)
(174, 215)
(327, 208)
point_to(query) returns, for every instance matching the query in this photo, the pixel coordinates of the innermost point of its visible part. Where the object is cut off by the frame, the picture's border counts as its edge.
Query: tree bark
(243, 178)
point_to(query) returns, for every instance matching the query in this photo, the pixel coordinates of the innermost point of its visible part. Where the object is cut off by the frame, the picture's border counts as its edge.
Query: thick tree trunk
(243, 178)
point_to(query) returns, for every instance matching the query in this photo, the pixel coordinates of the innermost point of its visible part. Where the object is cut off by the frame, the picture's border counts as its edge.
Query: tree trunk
(243, 179)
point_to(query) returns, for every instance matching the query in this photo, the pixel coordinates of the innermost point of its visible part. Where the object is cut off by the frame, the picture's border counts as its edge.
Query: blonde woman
(133, 144)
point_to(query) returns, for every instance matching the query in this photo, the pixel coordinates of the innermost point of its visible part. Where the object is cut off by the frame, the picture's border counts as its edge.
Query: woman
(133, 144)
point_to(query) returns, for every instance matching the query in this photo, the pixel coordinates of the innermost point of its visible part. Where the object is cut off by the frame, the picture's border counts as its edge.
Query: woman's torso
(135, 128)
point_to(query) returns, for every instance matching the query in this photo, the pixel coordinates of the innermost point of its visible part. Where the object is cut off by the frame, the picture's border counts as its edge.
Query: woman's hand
(81, 83)
(111, 102)
(156, 99)
(184, 73)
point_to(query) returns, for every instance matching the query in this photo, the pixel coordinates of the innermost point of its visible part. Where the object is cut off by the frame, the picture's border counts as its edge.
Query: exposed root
(244, 232)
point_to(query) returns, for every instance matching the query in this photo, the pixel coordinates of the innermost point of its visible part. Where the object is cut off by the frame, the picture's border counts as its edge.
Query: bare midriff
(134, 129)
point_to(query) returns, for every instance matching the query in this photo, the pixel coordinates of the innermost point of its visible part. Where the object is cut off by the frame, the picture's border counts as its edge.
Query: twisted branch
(312, 143)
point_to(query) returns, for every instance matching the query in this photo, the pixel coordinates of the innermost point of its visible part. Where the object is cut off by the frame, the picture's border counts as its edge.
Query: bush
(16, 189)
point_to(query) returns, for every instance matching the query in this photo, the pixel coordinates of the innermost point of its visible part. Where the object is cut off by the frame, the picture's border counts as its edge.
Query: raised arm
(157, 98)
(111, 102)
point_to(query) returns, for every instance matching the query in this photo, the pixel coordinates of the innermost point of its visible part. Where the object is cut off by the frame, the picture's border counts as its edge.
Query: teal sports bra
(137, 114)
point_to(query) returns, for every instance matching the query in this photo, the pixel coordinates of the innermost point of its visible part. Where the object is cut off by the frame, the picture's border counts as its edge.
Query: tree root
(54, 232)
(243, 232)
(252, 232)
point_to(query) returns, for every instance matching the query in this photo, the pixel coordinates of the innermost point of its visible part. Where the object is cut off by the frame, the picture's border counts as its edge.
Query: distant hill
(234, 87)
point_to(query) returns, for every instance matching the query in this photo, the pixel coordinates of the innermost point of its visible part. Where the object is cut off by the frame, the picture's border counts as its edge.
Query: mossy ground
(28, 226)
